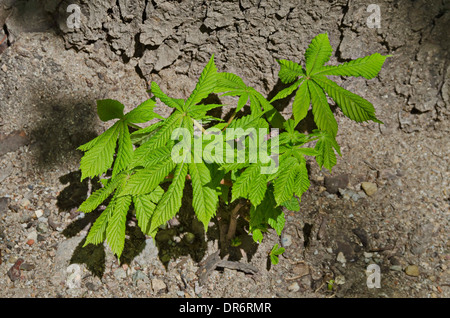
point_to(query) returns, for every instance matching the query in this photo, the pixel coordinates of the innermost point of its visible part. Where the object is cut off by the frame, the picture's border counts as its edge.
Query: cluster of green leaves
(144, 159)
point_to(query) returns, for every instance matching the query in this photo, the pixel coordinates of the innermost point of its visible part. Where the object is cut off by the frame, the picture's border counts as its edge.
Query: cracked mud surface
(50, 78)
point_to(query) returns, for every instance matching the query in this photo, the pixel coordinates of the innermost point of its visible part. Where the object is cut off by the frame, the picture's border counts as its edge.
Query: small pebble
(339, 280)
(294, 287)
(341, 258)
(158, 284)
(30, 242)
(25, 202)
(42, 228)
(180, 293)
(396, 268)
(412, 270)
(369, 188)
(120, 273)
(286, 240)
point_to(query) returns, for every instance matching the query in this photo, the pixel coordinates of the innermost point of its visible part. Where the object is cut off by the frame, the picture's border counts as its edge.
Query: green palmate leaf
(156, 156)
(274, 254)
(144, 211)
(156, 195)
(277, 221)
(146, 180)
(352, 105)
(108, 109)
(235, 86)
(143, 113)
(289, 125)
(287, 91)
(199, 111)
(285, 183)
(305, 152)
(247, 123)
(302, 182)
(243, 99)
(97, 232)
(115, 231)
(289, 71)
(275, 119)
(205, 86)
(158, 140)
(265, 214)
(99, 158)
(292, 204)
(229, 82)
(323, 116)
(301, 103)
(244, 182)
(97, 198)
(367, 67)
(255, 105)
(258, 189)
(87, 146)
(142, 135)
(292, 136)
(145, 205)
(170, 202)
(205, 198)
(318, 53)
(156, 90)
(325, 147)
(125, 150)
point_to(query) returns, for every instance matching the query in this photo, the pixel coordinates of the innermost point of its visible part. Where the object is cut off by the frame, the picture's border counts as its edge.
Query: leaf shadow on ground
(183, 236)
(61, 128)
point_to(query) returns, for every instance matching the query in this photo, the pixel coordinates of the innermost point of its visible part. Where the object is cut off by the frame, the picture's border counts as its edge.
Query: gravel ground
(385, 203)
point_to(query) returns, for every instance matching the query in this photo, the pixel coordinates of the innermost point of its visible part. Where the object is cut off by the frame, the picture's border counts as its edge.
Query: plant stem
(233, 221)
(230, 120)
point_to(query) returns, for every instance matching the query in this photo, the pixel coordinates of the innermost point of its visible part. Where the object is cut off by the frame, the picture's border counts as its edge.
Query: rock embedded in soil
(412, 270)
(158, 285)
(334, 183)
(120, 273)
(294, 287)
(341, 258)
(300, 270)
(14, 272)
(4, 202)
(396, 268)
(39, 213)
(369, 188)
(286, 240)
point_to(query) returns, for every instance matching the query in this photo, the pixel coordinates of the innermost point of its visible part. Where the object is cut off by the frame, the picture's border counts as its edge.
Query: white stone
(39, 213)
(341, 258)
(339, 280)
(294, 287)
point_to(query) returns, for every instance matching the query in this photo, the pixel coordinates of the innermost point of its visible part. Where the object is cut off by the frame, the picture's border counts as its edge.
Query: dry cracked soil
(385, 204)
